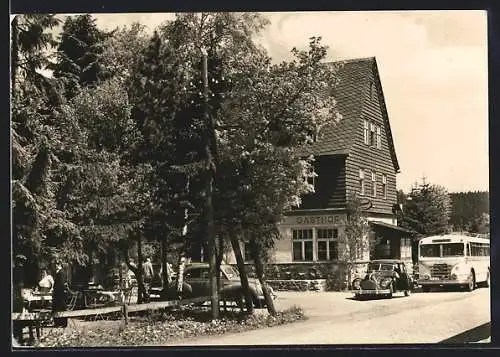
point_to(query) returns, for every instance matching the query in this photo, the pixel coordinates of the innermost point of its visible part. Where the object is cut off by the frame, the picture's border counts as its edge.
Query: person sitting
(46, 283)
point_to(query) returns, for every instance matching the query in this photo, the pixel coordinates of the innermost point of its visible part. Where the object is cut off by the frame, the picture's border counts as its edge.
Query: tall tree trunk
(241, 269)
(209, 209)
(137, 270)
(140, 278)
(259, 270)
(212, 259)
(14, 55)
(166, 279)
(219, 256)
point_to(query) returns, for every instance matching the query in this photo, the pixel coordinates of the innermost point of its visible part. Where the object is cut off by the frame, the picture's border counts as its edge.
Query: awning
(392, 227)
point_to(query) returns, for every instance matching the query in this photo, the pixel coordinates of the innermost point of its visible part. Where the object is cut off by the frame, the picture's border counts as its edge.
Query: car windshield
(379, 266)
(230, 272)
(453, 250)
(387, 267)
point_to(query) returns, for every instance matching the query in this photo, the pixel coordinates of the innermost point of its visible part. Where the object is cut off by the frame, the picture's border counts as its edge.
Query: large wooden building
(355, 155)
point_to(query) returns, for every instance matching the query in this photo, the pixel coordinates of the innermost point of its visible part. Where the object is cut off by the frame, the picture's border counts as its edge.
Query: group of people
(57, 286)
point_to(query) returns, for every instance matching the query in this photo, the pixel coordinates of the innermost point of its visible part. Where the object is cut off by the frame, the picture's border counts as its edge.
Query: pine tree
(78, 53)
(427, 210)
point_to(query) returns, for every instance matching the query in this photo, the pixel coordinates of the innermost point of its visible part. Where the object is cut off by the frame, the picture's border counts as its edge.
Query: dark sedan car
(383, 277)
(197, 283)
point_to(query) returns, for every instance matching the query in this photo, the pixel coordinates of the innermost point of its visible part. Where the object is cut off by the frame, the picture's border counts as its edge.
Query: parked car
(384, 277)
(196, 283)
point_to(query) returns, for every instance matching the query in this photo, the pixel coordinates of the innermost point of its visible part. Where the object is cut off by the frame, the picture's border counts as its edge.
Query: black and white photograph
(249, 179)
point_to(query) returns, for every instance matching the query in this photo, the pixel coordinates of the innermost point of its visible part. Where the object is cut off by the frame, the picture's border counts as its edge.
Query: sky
(433, 69)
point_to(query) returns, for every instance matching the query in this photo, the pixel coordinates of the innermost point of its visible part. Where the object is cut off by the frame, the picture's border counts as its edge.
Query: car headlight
(426, 276)
(356, 284)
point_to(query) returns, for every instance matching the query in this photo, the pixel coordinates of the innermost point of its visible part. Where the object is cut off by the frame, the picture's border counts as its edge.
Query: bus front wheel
(471, 283)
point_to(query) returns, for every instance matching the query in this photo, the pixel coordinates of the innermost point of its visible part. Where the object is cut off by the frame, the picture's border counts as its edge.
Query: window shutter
(379, 138)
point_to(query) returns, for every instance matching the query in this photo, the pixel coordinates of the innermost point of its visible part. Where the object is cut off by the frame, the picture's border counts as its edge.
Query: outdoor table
(34, 298)
(30, 320)
(99, 297)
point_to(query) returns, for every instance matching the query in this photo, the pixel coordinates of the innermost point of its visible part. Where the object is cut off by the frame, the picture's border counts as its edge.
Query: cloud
(433, 68)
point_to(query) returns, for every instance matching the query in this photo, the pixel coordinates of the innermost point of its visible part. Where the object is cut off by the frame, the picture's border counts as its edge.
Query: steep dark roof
(337, 139)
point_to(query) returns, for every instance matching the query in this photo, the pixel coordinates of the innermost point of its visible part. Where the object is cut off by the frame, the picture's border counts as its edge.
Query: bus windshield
(430, 250)
(453, 250)
(449, 250)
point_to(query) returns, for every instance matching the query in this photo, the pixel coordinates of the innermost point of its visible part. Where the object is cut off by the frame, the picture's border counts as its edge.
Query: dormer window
(362, 182)
(372, 134)
(374, 184)
(365, 132)
(384, 185)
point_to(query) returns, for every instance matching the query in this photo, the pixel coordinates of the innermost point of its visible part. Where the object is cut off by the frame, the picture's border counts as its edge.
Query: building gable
(354, 81)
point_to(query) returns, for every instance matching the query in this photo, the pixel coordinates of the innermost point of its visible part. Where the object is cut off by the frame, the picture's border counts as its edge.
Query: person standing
(148, 271)
(46, 283)
(18, 301)
(59, 296)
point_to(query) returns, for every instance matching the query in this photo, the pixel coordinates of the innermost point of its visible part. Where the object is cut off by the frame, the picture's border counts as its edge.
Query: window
(372, 134)
(326, 243)
(365, 132)
(384, 185)
(453, 250)
(379, 138)
(311, 176)
(302, 244)
(374, 184)
(361, 182)
(430, 250)
(480, 249)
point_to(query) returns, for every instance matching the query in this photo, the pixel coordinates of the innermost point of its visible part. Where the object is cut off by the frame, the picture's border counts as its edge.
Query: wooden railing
(107, 310)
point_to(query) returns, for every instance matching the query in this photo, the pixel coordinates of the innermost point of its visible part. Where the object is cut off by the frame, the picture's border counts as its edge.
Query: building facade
(353, 156)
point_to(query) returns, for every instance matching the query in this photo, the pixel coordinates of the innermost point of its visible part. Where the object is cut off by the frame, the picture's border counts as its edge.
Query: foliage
(355, 243)
(34, 104)
(29, 40)
(470, 211)
(167, 328)
(78, 53)
(120, 52)
(427, 210)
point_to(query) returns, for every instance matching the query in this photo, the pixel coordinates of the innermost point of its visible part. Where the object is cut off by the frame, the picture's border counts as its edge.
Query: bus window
(453, 250)
(429, 250)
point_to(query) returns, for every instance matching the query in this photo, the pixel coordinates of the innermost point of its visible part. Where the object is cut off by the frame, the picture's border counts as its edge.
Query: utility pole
(209, 210)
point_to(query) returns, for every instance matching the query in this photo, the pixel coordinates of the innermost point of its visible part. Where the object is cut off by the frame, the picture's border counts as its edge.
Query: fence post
(125, 312)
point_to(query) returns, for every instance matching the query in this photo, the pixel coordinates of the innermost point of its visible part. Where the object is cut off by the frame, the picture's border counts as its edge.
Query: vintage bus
(454, 259)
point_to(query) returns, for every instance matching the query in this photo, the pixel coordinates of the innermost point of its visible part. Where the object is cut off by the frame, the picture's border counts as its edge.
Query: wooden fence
(107, 310)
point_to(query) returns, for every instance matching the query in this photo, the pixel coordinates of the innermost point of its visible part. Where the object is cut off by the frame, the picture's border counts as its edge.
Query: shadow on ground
(476, 334)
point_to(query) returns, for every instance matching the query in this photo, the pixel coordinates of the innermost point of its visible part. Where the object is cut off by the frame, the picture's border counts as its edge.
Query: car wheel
(471, 281)
(407, 292)
(391, 291)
